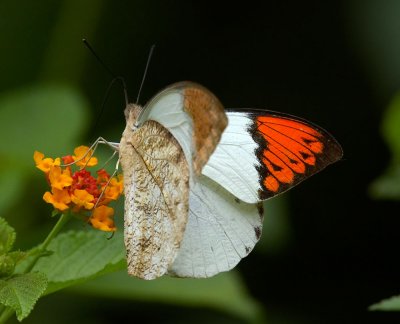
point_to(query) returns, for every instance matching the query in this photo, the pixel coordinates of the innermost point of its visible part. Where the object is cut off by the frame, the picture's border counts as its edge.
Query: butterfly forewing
(263, 153)
(193, 115)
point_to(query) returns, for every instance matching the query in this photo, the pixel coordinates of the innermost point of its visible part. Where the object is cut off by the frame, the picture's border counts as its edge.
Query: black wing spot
(276, 168)
(305, 156)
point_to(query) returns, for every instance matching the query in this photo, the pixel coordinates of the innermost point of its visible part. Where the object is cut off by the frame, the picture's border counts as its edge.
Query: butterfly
(195, 177)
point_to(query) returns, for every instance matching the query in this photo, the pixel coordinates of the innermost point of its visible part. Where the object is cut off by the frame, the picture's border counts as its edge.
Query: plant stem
(6, 314)
(56, 229)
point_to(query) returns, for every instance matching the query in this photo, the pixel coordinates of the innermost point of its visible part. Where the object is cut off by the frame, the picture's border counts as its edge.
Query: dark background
(335, 63)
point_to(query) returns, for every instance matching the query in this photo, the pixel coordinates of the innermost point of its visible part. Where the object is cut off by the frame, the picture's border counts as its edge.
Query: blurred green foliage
(48, 118)
(387, 186)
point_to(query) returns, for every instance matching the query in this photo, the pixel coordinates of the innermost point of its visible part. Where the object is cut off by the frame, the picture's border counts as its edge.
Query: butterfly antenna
(145, 72)
(115, 79)
(105, 66)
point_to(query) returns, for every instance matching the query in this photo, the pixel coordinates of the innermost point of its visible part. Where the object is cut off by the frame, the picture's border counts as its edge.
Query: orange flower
(84, 157)
(102, 219)
(58, 198)
(102, 177)
(114, 188)
(118, 182)
(77, 190)
(44, 164)
(81, 198)
(68, 159)
(59, 178)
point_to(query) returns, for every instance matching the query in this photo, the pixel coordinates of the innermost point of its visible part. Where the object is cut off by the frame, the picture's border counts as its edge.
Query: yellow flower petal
(58, 198)
(81, 198)
(118, 183)
(60, 178)
(114, 188)
(38, 157)
(102, 219)
(44, 164)
(83, 156)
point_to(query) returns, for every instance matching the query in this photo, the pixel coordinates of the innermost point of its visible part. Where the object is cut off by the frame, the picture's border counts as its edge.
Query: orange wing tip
(290, 150)
(271, 183)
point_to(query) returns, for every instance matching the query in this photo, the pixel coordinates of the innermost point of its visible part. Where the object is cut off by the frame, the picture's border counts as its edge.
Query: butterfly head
(132, 112)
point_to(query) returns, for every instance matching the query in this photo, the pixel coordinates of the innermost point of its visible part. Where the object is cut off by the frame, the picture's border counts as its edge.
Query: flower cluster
(79, 191)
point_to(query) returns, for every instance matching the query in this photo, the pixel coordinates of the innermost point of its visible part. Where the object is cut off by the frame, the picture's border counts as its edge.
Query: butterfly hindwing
(156, 182)
(264, 153)
(221, 230)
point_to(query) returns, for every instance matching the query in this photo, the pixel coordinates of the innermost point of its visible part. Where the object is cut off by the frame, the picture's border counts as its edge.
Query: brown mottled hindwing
(156, 181)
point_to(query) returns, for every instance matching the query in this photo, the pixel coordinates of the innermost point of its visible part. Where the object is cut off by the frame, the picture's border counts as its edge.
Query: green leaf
(224, 292)
(387, 186)
(7, 236)
(390, 304)
(9, 261)
(22, 291)
(391, 126)
(55, 213)
(7, 265)
(17, 256)
(80, 256)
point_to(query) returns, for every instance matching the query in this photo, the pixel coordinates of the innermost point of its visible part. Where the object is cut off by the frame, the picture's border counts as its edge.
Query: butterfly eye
(132, 113)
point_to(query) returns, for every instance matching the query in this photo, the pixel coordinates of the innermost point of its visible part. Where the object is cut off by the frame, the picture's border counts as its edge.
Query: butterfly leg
(92, 149)
(115, 147)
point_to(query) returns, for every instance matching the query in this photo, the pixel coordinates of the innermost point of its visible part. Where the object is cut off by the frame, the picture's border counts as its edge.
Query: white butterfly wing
(221, 230)
(234, 163)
